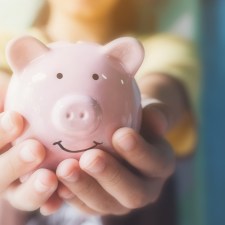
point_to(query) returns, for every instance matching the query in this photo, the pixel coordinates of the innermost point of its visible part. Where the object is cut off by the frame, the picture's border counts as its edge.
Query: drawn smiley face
(59, 143)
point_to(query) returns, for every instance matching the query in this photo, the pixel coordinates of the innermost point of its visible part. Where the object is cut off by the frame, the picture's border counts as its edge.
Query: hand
(4, 80)
(101, 184)
(19, 160)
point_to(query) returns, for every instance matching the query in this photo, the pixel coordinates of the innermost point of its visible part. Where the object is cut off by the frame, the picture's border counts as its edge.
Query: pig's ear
(128, 51)
(23, 50)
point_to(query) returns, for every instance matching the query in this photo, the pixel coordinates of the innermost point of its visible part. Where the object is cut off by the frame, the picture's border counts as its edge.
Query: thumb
(156, 117)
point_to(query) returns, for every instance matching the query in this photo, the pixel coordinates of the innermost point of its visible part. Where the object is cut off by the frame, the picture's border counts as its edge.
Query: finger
(11, 125)
(52, 205)
(74, 201)
(30, 195)
(20, 160)
(86, 188)
(152, 160)
(127, 188)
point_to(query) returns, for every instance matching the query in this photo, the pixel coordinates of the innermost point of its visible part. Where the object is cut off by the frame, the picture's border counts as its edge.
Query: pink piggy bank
(74, 96)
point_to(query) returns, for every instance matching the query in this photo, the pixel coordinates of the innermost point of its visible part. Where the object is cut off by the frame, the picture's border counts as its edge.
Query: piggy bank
(74, 96)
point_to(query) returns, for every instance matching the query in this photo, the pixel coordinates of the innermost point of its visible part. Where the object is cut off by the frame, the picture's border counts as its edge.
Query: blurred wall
(180, 17)
(16, 15)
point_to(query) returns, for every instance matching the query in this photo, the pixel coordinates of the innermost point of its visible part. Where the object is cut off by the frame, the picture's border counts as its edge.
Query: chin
(87, 15)
(87, 9)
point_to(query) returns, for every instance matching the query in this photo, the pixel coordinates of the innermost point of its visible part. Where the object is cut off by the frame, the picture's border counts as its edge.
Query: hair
(131, 16)
(42, 16)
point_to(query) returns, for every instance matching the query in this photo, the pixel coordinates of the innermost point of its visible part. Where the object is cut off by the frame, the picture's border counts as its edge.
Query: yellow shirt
(166, 54)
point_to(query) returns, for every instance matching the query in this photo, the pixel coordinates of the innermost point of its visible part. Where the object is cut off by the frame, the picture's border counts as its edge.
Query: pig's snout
(76, 115)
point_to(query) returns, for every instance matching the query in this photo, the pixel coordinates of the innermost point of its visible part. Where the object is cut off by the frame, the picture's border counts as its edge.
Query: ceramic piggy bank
(74, 96)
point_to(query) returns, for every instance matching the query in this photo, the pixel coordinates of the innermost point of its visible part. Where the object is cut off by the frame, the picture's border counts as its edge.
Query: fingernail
(7, 122)
(73, 177)
(41, 185)
(66, 174)
(28, 153)
(94, 166)
(66, 194)
(126, 142)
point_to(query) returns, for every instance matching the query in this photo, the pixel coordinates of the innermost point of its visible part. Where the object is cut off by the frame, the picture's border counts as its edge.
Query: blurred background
(200, 180)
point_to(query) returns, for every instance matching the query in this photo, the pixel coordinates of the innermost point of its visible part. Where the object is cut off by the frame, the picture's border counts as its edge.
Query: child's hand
(18, 161)
(4, 80)
(101, 184)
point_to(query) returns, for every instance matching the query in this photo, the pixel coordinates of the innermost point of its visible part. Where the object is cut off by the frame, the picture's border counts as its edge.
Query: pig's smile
(59, 143)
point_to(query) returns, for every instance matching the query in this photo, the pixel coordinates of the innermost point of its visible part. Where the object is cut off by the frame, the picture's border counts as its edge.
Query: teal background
(213, 126)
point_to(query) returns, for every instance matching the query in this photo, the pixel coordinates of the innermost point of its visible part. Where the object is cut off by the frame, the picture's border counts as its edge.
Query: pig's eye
(59, 75)
(95, 76)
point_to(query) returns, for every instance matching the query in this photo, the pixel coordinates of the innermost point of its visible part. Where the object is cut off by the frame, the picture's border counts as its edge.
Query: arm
(163, 88)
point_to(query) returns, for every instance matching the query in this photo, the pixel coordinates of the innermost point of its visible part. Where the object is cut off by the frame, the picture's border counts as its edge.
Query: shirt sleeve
(177, 57)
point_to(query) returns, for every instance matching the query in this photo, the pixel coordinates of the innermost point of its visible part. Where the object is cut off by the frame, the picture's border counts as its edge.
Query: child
(98, 184)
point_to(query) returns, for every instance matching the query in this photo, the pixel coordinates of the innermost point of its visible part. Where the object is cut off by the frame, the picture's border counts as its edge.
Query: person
(98, 184)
